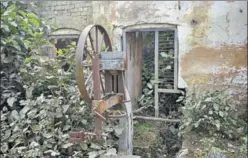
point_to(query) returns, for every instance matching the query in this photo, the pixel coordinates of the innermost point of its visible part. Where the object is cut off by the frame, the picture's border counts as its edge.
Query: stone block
(60, 7)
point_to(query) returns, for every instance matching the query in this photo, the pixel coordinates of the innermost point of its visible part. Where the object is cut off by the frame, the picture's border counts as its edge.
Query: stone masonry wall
(67, 14)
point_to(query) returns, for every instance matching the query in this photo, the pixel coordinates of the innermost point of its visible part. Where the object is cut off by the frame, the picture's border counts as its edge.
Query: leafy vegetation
(40, 103)
(212, 117)
(51, 110)
(22, 32)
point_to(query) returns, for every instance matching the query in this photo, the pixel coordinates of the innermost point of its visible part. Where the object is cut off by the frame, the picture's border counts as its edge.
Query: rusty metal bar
(77, 137)
(103, 105)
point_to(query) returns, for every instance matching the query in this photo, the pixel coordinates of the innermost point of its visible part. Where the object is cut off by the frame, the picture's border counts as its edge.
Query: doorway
(152, 63)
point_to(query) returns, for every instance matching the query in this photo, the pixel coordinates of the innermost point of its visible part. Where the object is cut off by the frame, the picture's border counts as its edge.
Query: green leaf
(35, 22)
(163, 54)
(83, 146)
(5, 28)
(47, 135)
(73, 43)
(218, 125)
(22, 13)
(66, 127)
(111, 152)
(168, 67)
(150, 92)
(221, 113)
(203, 107)
(7, 134)
(65, 108)
(209, 99)
(27, 60)
(13, 23)
(15, 115)
(67, 145)
(32, 15)
(94, 146)
(149, 85)
(118, 131)
(23, 112)
(11, 101)
(197, 124)
(93, 154)
(4, 147)
(6, 59)
(216, 107)
(36, 128)
(60, 52)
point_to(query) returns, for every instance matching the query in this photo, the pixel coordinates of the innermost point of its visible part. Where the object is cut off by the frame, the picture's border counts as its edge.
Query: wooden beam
(157, 119)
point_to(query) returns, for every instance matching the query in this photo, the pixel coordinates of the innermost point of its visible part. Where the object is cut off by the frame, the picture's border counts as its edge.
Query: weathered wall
(212, 36)
(67, 14)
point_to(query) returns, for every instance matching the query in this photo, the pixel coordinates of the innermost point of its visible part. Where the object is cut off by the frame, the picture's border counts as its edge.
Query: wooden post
(97, 95)
(126, 140)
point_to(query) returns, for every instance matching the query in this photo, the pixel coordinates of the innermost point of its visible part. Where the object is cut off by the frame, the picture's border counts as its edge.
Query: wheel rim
(92, 41)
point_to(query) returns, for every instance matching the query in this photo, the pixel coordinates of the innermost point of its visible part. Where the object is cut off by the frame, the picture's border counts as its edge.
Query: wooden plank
(157, 119)
(156, 74)
(168, 91)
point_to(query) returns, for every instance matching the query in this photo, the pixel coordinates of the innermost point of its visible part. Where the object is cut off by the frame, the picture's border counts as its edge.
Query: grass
(145, 133)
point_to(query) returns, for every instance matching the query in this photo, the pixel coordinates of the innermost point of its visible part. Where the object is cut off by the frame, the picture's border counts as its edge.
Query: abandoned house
(206, 39)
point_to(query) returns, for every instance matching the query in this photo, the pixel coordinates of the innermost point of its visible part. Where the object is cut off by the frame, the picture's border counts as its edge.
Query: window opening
(64, 42)
(166, 62)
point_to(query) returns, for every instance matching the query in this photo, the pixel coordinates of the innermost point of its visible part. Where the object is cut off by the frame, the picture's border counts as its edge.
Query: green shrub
(210, 120)
(51, 110)
(211, 113)
(22, 32)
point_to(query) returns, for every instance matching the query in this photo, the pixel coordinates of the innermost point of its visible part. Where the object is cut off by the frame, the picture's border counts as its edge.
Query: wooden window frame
(176, 58)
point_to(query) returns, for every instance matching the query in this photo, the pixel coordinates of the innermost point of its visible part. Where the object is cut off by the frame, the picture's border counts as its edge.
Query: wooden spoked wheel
(93, 40)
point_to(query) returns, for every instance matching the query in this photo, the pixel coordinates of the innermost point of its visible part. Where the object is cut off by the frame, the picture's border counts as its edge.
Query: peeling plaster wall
(212, 36)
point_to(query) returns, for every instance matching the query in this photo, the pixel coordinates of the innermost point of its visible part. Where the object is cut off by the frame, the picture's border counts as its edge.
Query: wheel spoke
(91, 42)
(91, 89)
(103, 90)
(101, 41)
(97, 49)
(87, 80)
(87, 52)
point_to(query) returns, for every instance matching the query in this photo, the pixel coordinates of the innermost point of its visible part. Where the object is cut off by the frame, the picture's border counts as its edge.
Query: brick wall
(71, 14)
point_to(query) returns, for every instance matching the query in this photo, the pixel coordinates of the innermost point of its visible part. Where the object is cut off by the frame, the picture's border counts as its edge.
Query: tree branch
(140, 109)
